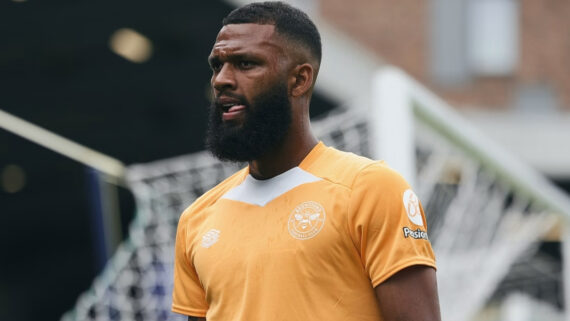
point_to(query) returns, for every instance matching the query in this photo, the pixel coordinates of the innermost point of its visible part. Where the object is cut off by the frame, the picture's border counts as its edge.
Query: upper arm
(410, 294)
(196, 319)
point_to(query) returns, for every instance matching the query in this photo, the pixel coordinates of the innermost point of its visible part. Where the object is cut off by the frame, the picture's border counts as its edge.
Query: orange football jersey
(308, 244)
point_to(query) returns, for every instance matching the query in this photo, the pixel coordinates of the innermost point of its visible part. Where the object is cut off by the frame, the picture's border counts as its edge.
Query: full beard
(265, 124)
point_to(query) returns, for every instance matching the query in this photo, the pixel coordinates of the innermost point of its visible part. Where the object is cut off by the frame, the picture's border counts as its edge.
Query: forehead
(247, 37)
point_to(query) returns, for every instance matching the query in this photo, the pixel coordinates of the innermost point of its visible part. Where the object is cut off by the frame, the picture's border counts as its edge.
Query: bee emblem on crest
(306, 220)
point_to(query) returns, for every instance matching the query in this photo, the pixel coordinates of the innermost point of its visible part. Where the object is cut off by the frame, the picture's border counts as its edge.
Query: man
(305, 232)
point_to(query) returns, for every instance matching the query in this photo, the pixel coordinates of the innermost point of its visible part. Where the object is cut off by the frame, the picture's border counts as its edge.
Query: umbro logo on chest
(210, 238)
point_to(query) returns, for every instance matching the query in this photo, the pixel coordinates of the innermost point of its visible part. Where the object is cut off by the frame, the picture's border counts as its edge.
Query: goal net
(486, 214)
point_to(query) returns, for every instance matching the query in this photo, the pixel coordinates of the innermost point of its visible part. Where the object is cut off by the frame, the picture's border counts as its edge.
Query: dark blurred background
(59, 70)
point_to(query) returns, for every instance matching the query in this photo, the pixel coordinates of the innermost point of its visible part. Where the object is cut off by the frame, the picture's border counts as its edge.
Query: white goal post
(405, 117)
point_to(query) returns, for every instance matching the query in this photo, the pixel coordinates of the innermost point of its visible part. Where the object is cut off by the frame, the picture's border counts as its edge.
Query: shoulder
(350, 170)
(211, 196)
(380, 176)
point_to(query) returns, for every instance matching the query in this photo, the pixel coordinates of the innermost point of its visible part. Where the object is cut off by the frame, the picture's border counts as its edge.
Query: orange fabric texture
(315, 251)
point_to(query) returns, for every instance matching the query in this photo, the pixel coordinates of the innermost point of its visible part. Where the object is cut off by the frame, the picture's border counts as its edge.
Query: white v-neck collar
(261, 192)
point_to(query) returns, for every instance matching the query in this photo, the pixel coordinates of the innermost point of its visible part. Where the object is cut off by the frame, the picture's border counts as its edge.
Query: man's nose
(224, 78)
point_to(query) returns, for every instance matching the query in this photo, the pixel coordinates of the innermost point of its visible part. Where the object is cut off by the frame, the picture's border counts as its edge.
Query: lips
(233, 112)
(232, 108)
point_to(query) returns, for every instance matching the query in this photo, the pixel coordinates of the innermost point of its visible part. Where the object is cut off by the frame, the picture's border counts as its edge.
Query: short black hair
(288, 21)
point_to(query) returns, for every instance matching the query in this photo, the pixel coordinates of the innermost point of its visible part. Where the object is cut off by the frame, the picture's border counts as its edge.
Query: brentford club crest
(306, 220)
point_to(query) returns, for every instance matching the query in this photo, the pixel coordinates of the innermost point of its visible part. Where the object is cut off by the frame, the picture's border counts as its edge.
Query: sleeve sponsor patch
(412, 205)
(415, 234)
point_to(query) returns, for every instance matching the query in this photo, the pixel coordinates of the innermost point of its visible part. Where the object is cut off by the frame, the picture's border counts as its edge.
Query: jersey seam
(336, 183)
(351, 187)
(186, 261)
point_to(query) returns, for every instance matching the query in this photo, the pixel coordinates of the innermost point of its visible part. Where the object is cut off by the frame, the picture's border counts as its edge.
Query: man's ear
(301, 80)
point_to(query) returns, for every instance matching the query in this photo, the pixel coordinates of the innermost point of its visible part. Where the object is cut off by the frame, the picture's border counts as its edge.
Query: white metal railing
(111, 167)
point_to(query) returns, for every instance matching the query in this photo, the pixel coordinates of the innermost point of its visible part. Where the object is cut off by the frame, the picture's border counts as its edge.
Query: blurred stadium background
(130, 80)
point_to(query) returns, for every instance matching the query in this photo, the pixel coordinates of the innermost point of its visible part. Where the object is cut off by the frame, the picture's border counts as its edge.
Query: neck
(298, 143)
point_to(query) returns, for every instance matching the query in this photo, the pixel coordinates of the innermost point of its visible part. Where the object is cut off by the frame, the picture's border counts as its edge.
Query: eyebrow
(213, 60)
(232, 57)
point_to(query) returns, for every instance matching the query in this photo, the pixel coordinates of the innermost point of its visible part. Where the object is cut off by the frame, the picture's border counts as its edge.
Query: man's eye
(216, 66)
(244, 64)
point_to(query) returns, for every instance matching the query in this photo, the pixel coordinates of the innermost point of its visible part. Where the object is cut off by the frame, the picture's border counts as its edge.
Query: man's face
(251, 112)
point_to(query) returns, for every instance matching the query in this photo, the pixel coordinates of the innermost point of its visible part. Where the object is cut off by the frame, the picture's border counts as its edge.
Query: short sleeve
(188, 296)
(387, 223)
